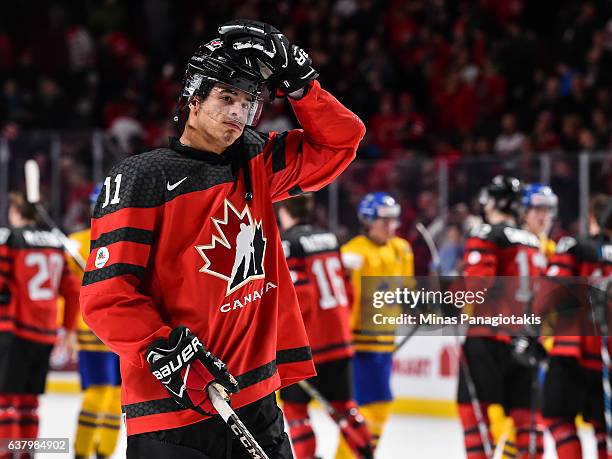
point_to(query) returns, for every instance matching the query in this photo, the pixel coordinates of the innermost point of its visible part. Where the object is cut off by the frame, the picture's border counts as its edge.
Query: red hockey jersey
(175, 242)
(587, 258)
(505, 260)
(313, 257)
(33, 274)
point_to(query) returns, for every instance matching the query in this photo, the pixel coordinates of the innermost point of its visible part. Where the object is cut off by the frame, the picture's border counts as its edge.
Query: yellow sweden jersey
(365, 258)
(547, 246)
(87, 340)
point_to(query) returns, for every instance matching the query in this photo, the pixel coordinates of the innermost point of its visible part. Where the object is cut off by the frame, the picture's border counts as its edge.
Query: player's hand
(186, 368)
(528, 350)
(287, 66)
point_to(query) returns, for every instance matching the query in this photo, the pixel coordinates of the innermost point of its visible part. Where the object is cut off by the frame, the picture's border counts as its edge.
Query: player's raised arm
(122, 232)
(304, 159)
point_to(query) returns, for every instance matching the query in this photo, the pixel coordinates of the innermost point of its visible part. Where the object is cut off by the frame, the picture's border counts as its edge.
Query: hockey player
(100, 416)
(313, 257)
(33, 274)
(540, 204)
(573, 382)
(493, 249)
(161, 287)
(378, 252)
(539, 209)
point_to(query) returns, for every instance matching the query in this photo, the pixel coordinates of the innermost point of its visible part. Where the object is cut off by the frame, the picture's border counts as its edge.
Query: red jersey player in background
(494, 249)
(573, 383)
(313, 257)
(186, 236)
(33, 274)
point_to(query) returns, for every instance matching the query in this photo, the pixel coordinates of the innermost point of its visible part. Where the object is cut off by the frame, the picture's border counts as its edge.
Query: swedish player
(100, 416)
(377, 252)
(540, 203)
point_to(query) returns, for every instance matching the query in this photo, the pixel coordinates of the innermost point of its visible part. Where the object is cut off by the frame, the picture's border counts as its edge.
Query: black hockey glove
(186, 369)
(527, 350)
(289, 66)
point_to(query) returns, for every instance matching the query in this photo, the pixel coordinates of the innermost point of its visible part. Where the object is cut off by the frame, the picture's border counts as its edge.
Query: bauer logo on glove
(186, 369)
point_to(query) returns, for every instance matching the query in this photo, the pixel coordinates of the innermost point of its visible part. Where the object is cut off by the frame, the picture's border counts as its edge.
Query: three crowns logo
(237, 248)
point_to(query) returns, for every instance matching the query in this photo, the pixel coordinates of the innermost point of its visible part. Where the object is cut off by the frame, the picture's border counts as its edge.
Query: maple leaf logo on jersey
(237, 249)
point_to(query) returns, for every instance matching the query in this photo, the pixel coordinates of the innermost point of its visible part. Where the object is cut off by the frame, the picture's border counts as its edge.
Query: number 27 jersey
(313, 257)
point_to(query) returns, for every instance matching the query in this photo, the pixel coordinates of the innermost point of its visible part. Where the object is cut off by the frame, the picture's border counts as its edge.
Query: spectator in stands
(510, 140)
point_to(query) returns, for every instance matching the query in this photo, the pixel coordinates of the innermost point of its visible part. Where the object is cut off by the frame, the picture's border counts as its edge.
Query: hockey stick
(483, 430)
(501, 444)
(338, 418)
(218, 398)
(32, 178)
(480, 420)
(599, 303)
(604, 332)
(435, 258)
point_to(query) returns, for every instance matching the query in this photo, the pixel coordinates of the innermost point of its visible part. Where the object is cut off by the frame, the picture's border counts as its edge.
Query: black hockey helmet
(505, 193)
(213, 63)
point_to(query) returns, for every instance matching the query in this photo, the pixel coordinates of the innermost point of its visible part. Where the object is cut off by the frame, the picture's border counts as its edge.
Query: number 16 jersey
(313, 257)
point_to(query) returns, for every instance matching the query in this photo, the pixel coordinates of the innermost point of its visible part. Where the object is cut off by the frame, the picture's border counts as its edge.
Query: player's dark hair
(181, 113)
(18, 200)
(600, 209)
(299, 207)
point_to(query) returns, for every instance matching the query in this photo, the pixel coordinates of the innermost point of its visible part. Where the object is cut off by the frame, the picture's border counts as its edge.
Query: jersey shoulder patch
(565, 244)
(481, 231)
(5, 234)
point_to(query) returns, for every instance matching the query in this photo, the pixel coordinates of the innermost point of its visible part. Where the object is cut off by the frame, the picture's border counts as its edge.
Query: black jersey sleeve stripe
(298, 354)
(116, 270)
(301, 282)
(150, 407)
(278, 152)
(126, 234)
(168, 405)
(256, 375)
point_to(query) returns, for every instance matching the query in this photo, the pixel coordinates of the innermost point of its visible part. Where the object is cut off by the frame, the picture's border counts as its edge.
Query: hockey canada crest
(237, 248)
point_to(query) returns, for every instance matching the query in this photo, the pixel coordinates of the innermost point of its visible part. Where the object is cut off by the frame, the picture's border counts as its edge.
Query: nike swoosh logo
(173, 186)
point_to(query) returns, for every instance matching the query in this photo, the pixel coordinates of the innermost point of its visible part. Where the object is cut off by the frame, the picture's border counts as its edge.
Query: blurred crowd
(438, 80)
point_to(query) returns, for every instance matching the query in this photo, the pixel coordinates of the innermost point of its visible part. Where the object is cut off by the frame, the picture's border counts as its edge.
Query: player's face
(14, 217)
(538, 220)
(382, 230)
(223, 115)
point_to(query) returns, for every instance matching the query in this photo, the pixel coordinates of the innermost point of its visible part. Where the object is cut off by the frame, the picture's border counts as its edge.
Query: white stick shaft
(235, 424)
(32, 176)
(219, 403)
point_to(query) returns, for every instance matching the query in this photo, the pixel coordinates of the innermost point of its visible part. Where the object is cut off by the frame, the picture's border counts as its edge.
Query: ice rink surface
(406, 437)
